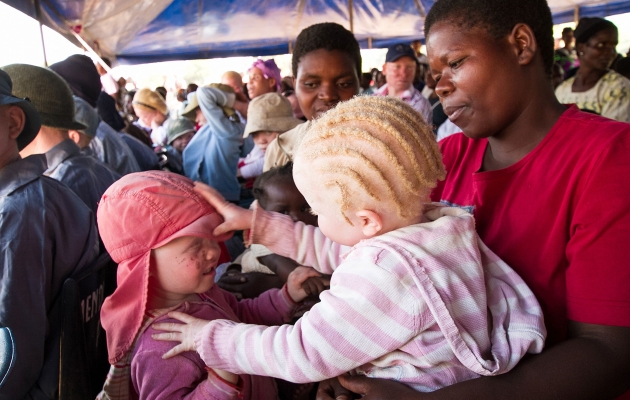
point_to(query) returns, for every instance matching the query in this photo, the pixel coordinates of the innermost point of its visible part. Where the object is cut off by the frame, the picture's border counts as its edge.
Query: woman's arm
(592, 364)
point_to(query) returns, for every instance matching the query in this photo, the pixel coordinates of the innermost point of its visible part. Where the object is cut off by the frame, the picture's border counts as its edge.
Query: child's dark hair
(498, 17)
(329, 36)
(283, 173)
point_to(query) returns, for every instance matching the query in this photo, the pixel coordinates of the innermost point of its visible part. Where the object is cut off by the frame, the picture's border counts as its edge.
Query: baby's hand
(236, 218)
(183, 333)
(296, 283)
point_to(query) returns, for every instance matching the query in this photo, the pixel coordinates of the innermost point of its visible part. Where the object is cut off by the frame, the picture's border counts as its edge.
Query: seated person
(270, 115)
(180, 132)
(86, 115)
(160, 232)
(84, 81)
(418, 298)
(264, 77)
(152, 113)
(46, 234)
(212, 154)
(326, 68)
(85, 175)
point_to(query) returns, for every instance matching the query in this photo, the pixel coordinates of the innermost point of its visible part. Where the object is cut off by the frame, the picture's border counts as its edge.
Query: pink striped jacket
(428, 305)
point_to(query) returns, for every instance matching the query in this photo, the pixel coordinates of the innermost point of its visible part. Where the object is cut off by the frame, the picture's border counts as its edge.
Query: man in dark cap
(52, 98)
(46, 234)
(108, 145)
(400, 70)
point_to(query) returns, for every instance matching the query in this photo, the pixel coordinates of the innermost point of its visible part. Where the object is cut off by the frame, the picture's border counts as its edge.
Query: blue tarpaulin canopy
(141, 31)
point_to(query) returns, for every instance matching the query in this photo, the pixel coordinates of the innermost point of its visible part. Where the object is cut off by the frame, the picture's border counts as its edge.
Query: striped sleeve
(303, 243)
(367, 313)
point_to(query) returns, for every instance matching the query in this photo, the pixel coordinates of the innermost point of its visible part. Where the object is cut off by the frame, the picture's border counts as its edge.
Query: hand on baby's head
(235, 217)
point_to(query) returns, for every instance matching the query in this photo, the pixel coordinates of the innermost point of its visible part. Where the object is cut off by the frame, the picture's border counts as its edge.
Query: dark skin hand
(283, 266)
(249, 285)
(593, 363)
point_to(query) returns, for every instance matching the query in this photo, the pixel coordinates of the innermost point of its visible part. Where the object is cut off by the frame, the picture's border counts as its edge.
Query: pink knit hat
(138, 213)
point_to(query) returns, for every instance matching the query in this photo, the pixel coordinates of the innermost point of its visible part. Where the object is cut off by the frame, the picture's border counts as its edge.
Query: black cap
(400, 50)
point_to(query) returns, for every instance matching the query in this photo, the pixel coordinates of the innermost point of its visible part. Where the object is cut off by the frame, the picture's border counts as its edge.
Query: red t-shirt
(560, 216)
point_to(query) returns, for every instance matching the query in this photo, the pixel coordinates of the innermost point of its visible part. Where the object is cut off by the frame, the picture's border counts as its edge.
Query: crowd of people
(452, 225)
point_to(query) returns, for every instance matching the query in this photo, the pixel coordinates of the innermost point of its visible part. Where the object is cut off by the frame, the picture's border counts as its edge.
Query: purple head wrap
(269, 70)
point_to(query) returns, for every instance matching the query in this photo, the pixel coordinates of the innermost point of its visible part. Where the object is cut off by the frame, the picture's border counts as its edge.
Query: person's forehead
(446, 37)
(404, 60)
(280, 193)
(324, 62)
(255, 71)
(604, 35)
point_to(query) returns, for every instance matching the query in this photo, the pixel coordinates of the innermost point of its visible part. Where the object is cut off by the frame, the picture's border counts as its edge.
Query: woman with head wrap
(595, 87)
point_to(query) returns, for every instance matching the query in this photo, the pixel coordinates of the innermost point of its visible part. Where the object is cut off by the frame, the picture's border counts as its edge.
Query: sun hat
(270, 112)
(140, 212)
(269, 70)
(151, 100)
(48, 92)
(398, 51)
(33, 121)
(87, 115)
(81, 75)
(192, 104)
(179, 127)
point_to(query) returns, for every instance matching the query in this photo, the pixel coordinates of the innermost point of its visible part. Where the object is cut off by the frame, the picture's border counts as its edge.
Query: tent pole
(576, 14)
(369, 42)
(38, 14)
(420, 8)
(350, 16)
(90, 50)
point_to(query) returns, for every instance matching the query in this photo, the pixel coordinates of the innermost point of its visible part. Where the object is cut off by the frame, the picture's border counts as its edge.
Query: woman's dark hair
(589, 26)
(329, 36)
(498, 18)
(283, 173)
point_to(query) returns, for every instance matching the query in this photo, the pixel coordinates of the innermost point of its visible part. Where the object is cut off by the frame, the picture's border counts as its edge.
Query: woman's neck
(526, 131)
(586, 78)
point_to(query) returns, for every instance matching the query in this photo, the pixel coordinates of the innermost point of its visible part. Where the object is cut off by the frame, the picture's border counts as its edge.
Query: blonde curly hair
(374, 153)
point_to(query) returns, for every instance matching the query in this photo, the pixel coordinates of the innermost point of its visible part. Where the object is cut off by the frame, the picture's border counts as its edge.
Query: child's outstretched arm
(235, 218)
(366, 314)
(303, 243)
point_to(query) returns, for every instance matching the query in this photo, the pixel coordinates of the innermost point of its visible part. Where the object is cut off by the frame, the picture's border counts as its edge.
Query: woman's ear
(371, 222)
(524, 40)
(579, 48)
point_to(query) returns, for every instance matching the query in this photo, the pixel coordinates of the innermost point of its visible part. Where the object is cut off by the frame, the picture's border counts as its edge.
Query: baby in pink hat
(159, 231)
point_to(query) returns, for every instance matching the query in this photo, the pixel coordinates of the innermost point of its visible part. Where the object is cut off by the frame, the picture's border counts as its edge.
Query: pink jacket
(412, 305)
